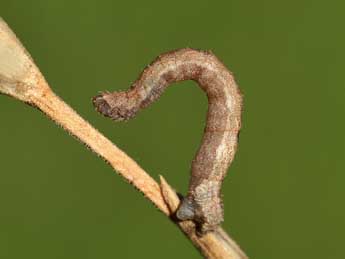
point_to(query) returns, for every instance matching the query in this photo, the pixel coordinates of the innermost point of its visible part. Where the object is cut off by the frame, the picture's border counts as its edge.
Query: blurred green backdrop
(285, 190)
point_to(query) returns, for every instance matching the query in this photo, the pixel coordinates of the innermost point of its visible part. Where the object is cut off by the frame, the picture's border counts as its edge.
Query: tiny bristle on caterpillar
(203, 203)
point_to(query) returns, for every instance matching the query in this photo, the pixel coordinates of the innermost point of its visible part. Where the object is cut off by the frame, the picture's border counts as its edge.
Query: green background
(284, 195)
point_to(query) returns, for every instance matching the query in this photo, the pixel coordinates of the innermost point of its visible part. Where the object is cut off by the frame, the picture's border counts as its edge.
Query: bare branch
(21, 79)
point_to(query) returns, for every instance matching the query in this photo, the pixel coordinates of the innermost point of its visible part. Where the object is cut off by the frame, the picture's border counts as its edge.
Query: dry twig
(21, 79)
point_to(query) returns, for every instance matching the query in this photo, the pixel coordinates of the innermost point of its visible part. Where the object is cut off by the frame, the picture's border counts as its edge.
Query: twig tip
(169, 195)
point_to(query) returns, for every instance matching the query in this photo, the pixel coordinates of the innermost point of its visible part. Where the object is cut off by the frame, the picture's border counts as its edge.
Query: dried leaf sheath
(203, 202)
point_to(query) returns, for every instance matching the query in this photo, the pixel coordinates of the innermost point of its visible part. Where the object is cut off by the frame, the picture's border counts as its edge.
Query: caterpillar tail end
(188, 211)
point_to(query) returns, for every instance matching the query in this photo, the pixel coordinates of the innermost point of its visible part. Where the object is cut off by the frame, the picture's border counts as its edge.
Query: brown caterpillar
(203, 202)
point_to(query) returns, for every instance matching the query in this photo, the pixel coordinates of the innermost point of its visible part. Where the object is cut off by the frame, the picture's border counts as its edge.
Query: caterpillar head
(119, 106)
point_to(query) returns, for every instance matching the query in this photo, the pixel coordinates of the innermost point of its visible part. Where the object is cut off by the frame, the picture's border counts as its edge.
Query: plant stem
(21, 79)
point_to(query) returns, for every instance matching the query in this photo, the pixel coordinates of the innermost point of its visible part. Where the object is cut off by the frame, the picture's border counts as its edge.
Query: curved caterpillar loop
(203, 202)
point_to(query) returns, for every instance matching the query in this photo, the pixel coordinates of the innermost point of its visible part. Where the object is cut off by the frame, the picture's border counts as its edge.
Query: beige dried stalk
(21, 79)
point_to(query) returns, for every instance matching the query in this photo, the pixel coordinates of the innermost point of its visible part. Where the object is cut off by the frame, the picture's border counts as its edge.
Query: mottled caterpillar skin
(203, 203)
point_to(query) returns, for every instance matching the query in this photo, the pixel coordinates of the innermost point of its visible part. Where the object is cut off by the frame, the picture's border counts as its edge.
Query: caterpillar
(203, 203)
